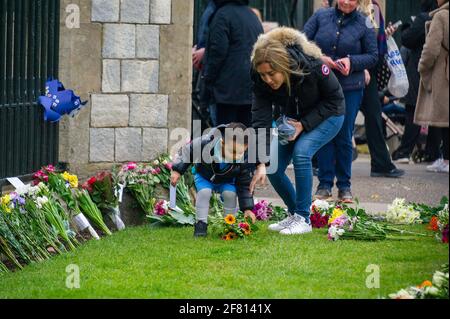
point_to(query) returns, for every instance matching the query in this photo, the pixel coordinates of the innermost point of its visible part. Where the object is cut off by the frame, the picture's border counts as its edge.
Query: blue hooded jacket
(342, 35)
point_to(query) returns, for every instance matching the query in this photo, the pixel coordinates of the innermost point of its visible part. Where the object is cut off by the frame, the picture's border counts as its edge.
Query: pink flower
(50, 168)
(158, 170)
(161, 208)
(262, 210)
(131, 166)
(169, 166)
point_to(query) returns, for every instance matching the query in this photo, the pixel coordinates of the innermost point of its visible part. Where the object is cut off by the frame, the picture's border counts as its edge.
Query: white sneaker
(437, 166)
(444, 168)
(282, 225)
(403, 160)
(298, 226)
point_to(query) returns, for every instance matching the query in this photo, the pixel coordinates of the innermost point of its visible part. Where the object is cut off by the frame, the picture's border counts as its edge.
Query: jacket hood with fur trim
(290, 38)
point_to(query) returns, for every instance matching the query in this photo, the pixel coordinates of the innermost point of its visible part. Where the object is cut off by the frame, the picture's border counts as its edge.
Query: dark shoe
(323, 194)
(395, 173)
(345, 196)
(201, 229)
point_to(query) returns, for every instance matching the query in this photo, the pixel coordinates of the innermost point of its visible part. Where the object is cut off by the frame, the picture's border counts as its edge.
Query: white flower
(335, 232)
(155, 163)
(439, 278)
(40, 201)
(401, 213)
(433, 291)
(321, 204)
(23, 190)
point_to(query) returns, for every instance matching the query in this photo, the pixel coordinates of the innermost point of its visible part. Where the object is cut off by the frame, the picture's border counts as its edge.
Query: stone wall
(132, 60)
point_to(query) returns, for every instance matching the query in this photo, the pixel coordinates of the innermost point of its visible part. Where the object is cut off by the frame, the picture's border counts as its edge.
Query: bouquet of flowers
(263, 210)
(91, 210)
(170, 217)
(428, 212)
(140, 180)
(401, 213)
(443, 224)
(105, 194)
(320, 213)
(353, 223)
(435, 289)
(64, 186)
(184, 201)
(232, 227)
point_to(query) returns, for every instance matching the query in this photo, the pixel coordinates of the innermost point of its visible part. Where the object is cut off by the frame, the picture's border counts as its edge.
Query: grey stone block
(154, 143)
(111, 76)
(135, 11)
(105, 10)
(119, 41)
(128, 144)
(149, 110)
(109, 110)
(147, 41)
(160, 11)
(140, 76)
(101, 145)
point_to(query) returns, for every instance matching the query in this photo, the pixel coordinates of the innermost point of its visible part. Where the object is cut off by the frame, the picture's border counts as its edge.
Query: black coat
(233, 31)
(238, 174)
(413, 38)
(314, 97)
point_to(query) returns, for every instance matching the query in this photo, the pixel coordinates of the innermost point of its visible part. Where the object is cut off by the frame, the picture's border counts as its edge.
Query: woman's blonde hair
(274, 53)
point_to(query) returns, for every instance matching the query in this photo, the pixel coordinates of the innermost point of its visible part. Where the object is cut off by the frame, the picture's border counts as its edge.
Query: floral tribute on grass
(437, 288)
(232, 227)
(143, 180)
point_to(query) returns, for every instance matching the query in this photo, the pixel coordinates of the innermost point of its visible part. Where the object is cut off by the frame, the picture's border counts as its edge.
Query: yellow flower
(337, 212)
(72, 179)
(4, 202)
(230, 220)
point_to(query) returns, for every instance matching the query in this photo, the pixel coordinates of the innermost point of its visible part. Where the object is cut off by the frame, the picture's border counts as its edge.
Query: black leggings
(445, 138)
(228, 113)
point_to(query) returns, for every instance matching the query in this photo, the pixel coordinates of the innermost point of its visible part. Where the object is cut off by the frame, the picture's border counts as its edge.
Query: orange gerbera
(230, 236)
(230, 219)
(426, 283)
(433, 225)
(247, 232)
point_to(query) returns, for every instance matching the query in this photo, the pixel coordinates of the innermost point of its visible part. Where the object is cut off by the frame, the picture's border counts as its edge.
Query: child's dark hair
(239, 133)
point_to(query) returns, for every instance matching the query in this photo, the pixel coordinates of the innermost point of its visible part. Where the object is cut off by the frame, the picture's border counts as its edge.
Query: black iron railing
(29, 54)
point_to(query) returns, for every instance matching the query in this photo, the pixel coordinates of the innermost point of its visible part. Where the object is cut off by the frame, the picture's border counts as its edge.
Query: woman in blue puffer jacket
(349, 44)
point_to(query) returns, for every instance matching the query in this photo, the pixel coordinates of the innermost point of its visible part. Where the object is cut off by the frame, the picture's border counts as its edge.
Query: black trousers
(229, 113)
(412, 133)
(371, 108)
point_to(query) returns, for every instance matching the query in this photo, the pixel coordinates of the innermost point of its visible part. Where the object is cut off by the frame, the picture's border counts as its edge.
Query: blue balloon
(58, 101)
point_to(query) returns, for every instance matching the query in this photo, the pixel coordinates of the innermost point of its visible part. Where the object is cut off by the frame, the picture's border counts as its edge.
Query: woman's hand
(249, 214)
(259, 177)
(390, 30)
(367, 77)
(329, 62)
(174, 178)
(344, 66)
(298, 130)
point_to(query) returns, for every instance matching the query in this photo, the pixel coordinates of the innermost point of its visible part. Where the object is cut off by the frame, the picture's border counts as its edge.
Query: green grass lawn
(146, 262)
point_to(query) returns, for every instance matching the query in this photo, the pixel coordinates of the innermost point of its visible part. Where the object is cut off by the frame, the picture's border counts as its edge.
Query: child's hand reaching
(174, 178)
(249, 214)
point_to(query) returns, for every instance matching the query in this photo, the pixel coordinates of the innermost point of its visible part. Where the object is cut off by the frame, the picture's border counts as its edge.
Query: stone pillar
(132, 60)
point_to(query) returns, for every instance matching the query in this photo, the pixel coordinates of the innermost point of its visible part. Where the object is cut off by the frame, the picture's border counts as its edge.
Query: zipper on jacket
(296, 103)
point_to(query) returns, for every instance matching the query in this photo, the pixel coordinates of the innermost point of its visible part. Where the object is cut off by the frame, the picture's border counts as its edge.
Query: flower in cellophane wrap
(105, 192)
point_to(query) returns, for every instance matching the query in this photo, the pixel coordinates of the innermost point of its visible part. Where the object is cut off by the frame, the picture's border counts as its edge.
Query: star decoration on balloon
(58, 101)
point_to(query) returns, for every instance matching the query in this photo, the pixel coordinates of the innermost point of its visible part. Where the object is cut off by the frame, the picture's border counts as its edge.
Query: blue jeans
(301, 152)
(335, 158)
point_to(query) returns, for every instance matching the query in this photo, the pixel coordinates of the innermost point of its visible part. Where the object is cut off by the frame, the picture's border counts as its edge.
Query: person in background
(233, 31)
(380, 158)
(433, 102)
(198, 53)
(349, 48)
(413, 38)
